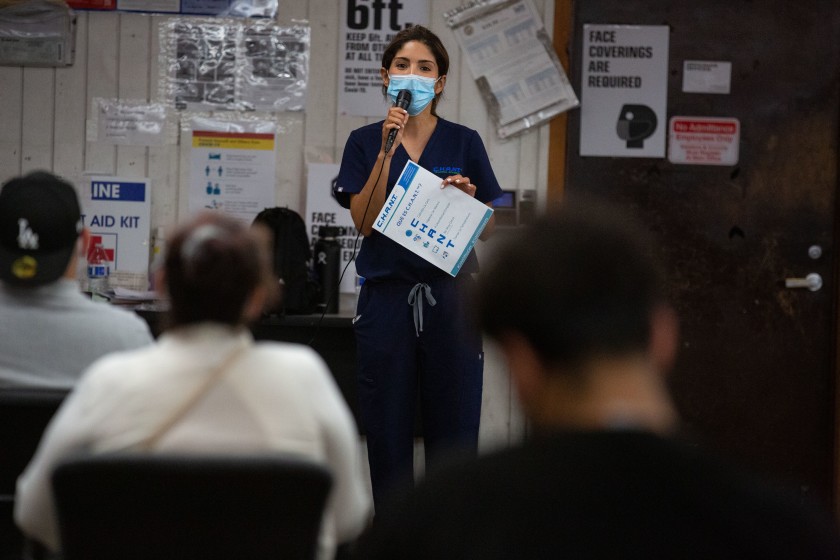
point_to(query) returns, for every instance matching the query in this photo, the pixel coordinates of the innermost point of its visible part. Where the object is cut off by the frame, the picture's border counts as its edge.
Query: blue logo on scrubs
(446, 170)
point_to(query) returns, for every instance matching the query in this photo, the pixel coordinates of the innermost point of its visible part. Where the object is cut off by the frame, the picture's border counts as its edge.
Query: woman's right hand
(397, 118)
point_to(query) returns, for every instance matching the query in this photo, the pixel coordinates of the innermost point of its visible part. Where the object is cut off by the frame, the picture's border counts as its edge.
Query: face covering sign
(367, 26)
(624, 90)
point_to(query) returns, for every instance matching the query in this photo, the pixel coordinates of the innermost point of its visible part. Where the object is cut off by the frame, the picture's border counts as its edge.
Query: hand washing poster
(232, 172)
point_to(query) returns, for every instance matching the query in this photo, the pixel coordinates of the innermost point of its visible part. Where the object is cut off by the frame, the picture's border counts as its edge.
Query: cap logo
(27, 239)
(25, 267)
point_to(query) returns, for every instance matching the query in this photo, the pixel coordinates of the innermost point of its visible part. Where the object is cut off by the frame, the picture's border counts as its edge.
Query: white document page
(440, 225)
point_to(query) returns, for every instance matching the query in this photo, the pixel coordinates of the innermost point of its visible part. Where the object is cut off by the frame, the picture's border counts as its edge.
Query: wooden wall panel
(11, 117)
(134, 36)
(70, 111)
(163, 167)
(38, 118)
(102, 67)
(322, 92)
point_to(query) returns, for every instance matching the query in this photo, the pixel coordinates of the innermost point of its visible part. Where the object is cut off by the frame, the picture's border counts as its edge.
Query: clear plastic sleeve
(233, 64)
(512, 59)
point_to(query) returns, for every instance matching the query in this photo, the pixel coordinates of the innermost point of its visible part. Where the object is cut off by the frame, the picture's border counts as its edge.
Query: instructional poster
(367, 28)
(232, 172)
(116, 210)
(624, 90)
(439, 225)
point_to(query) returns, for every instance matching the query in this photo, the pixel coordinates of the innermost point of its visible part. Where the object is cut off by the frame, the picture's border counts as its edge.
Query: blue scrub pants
(441, 368)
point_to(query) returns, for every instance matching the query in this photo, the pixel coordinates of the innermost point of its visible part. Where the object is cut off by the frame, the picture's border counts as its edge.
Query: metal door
(756, 372)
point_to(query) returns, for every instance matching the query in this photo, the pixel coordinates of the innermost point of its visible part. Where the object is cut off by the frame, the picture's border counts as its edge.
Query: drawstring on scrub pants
(415, 300)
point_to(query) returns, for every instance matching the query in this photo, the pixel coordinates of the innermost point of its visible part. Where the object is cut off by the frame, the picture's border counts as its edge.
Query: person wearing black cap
(49, 331)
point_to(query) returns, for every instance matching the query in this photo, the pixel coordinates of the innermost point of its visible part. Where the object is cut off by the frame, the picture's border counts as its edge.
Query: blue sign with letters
(121, 191)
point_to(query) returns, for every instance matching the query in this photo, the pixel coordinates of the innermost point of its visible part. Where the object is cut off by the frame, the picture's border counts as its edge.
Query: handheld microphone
(403, 101)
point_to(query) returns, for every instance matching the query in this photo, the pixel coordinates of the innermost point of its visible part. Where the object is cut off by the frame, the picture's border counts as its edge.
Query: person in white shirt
(268, 397)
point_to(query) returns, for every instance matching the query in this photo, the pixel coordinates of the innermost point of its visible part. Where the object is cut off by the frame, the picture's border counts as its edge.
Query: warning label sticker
(703, 140)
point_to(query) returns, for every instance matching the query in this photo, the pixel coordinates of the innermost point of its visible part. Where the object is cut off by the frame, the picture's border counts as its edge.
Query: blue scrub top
(452, 149)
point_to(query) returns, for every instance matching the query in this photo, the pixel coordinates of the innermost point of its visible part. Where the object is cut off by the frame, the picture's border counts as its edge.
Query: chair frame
(184, 507)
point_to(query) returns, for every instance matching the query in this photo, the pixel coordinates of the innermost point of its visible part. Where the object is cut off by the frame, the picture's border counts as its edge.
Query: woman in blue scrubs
(415, 341)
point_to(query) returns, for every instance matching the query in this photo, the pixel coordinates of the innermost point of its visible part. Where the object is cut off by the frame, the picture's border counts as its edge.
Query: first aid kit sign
(703, 140)
(117, 211)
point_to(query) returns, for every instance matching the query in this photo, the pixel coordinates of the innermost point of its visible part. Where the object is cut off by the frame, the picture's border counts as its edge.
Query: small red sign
(92, 4)
(704, 140)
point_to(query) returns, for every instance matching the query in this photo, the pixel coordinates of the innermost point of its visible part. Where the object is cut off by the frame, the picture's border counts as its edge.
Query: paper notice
(439, 225)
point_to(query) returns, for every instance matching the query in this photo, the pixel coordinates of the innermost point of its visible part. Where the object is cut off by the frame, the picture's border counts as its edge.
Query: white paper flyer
(439, 225)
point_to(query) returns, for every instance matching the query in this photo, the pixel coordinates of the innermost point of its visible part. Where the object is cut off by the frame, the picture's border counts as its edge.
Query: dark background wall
(756, 372)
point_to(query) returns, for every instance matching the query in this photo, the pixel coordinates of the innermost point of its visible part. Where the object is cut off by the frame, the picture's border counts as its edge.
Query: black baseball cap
(40, 221)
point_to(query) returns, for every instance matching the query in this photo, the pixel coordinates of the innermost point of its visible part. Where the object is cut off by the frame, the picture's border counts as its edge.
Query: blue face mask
(422, 90)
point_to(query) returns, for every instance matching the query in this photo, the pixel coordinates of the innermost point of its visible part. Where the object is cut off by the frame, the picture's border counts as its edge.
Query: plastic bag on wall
(130, 122)
(37, 33)
(513, 62)
(275, 66)
(233, 64)
(251, 8)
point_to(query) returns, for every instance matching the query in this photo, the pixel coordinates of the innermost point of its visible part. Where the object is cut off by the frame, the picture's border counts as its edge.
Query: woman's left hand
(461, 183)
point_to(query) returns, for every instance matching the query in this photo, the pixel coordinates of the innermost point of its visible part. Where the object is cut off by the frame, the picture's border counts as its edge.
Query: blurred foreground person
(577, 305)
(207, 387)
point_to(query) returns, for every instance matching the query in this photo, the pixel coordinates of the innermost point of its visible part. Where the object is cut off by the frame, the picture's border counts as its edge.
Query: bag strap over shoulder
(212, 378)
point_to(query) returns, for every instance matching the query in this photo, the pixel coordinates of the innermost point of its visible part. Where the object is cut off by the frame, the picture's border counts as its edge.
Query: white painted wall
(43, 114)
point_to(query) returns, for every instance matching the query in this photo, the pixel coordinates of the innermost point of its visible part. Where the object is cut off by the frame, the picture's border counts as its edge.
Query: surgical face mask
(422, 90)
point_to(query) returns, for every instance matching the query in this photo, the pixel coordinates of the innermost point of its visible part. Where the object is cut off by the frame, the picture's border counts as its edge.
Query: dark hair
(213, 264)
(422, 35)
(580, 283)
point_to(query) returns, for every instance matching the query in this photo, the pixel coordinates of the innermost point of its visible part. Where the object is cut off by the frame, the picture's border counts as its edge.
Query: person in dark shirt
(577, 305)
(414, 343)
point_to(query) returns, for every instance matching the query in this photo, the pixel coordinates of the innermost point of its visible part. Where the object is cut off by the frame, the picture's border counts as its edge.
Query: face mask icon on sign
(635, 124)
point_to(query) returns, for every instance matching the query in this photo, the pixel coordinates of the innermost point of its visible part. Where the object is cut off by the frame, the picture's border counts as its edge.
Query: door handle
(813, 282)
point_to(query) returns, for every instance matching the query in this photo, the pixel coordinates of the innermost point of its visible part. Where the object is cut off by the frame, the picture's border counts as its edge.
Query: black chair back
(141, 506)
(24, 413)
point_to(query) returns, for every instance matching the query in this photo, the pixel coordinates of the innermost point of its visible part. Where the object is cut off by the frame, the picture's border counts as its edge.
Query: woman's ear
(441, 83)
(383, 72)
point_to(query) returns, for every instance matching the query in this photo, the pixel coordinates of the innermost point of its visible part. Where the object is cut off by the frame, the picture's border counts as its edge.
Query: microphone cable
(352, 257)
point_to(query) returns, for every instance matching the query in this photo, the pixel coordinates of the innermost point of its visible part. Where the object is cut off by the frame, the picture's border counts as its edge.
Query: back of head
(581, 283)
(213, 265)
(40, 223)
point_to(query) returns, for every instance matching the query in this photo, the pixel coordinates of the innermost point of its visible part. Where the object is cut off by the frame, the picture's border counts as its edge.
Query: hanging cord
(352, 257)
(211, 380)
